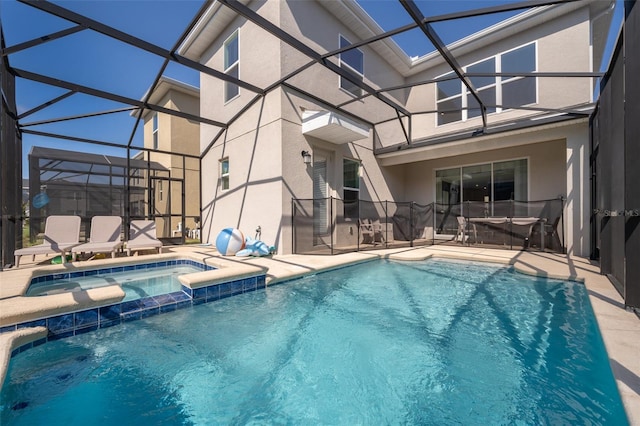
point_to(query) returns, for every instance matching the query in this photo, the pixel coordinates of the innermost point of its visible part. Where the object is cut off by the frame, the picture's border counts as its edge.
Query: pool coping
(620, 328)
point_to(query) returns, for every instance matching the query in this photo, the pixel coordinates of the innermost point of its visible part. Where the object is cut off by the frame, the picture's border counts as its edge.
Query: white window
(155, 131)
(518, 91)
(353, 61)
(231, 65)
(350, 187)
(456, 103)
(224, 174)
(485, 86)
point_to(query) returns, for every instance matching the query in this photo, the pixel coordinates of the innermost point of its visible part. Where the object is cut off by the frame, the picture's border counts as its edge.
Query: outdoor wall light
(306, 157)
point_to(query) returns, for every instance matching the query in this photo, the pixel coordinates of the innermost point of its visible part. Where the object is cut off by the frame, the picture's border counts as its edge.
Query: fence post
(411, 224)
(511, 224)
(293, 229)
(358, 227)
(564, 248)
(332, 222)
(433, 229)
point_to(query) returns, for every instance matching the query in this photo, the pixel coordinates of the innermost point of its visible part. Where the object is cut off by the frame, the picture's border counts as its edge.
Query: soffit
(165, 84)
(471, 145)
(207, 30)
(332, 127)
(364, 27)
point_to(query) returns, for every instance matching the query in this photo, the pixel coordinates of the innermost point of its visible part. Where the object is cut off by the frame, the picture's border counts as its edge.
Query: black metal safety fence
(537, 225)
(334, 226)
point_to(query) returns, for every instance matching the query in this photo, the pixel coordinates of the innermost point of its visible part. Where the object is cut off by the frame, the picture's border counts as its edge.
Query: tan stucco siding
(561, 45)
(312, 23)
(255, 179)
(259, 64)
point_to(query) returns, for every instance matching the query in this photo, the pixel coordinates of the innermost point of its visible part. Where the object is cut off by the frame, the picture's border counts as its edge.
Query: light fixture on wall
(306, 157)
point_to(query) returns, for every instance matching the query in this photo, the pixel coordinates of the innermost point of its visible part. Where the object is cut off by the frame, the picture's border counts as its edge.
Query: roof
(88, 158)
(354, 17)
(164, 86)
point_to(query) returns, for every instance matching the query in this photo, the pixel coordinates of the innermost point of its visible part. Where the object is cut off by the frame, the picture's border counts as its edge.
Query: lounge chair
(61, 234)
(104, 238)
(142, 235)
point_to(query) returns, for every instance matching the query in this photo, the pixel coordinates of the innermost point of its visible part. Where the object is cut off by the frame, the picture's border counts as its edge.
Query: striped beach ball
(229, 241)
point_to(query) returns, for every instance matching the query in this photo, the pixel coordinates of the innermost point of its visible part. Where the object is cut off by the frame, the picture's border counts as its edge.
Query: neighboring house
(174, 142)
(83, 184)
(254, 170)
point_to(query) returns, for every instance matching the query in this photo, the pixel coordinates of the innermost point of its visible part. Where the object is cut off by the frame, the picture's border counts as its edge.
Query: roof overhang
(164, 86)
(332, 127)
(212, 23)
(469, 144)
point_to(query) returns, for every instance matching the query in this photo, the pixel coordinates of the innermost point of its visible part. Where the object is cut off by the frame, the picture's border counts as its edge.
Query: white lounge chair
(142, 235)
(61, 234)
(104, 238)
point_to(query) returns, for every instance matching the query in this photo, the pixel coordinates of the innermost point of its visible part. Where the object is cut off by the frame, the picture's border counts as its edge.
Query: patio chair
(371, 231)
(142, 235)
(61, 234)
(104, 238)
(462, 230)
(178, 231)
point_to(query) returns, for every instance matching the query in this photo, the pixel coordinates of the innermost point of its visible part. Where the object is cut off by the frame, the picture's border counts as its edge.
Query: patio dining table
(522, 221)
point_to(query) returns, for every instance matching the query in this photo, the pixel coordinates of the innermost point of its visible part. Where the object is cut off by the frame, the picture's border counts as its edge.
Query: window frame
(506, 80)
(349, 67)
(224, 176)
(492, 163)
(497, 86)
(154, 131)
(231, 69)
(356, 190)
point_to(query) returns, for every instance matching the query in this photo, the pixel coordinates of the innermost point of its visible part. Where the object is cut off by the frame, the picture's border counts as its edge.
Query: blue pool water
(145, 280)
(429, 342)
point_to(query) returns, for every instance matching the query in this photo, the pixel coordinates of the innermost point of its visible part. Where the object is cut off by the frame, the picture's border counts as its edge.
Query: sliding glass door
(482, 185)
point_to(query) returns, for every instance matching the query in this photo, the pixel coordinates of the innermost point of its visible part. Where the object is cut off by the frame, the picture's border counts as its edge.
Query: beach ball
(229, 241)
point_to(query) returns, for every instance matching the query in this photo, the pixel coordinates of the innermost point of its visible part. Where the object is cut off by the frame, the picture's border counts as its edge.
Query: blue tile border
(91, 272)
(77, 323)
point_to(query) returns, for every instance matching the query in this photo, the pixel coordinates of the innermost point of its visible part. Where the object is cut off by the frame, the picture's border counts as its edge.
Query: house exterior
(173, 142)
(442, 149)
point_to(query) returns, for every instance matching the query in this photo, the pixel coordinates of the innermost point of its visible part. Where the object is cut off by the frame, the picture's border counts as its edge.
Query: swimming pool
(137, 281)
(429, 342)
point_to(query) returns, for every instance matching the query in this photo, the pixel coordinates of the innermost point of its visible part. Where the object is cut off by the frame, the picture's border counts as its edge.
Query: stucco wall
(258, 66)
(253, 147)
(562, 45)
(310, 22)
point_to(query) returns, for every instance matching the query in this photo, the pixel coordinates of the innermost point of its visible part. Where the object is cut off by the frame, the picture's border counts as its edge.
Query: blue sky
(100, 62)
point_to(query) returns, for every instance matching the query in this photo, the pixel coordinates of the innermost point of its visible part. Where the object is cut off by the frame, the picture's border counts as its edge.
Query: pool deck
(619, 327)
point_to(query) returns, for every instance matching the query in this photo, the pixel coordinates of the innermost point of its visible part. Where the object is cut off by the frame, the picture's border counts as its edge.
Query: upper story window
(224, 173)
(353, 61)
(350, 187)
(231, 65)
(455, 102)
(155, 131)
(517, 91)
